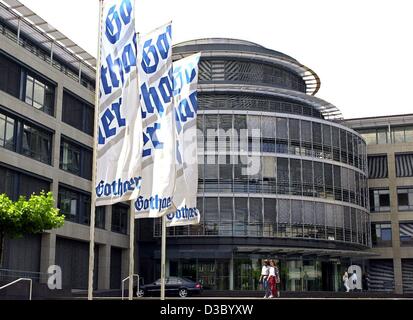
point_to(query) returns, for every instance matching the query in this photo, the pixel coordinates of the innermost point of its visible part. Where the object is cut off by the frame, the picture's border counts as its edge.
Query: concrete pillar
(104, 267)
(47, 254)
(398, 276)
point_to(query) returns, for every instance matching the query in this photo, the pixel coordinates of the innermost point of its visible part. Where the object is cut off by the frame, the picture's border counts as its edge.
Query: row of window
(382, 234)
(399, 134)
(39, 92)
(251, 102)
(380, 199)
(249, 72)
(277, 175)
(378, 166)
(282, 135)
(23, 137)
(265, 217)
(75, 205)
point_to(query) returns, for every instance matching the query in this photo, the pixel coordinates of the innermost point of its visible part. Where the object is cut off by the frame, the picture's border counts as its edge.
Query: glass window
(211, 210)
(7, 136)
(256, 214)
(381, 234)
(295, 176)
(382, 136)
(379, 200)
(408, 134)
(9, 76)
(306, 131)
(120, 218)
(15, 184)
(74, 205)
(404, 165)
(377, 166)
(405, 199)
(268, 127)
(283, 211)
(39, 94)
(269, 174)
(77, 113)
(270, 213)
(37, 143)
(406, 232)
(282, 176)
(398, 135)
(70, 157)
(226, 209)
(307, 178)
(100, 217)
(282, 129)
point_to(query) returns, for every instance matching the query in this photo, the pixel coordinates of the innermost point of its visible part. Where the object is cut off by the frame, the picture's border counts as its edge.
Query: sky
(361, 49)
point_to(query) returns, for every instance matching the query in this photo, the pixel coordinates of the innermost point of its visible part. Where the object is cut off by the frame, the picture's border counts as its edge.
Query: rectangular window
(9, 76)
(7, 132)
(377, 165)
(77, 113)
(379, 200)
(381, 234)
(25, 138)
(39, 93)
(120, 218)
(15, 183)
(404, 165)
(406, 232)
(405, 199)
(74, 205)
(100, 217)
(76, 159)
(37, 143)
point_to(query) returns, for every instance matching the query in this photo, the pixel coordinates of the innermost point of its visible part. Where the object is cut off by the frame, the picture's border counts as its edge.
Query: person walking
(346, 281)
(274, 278)
(265, 272)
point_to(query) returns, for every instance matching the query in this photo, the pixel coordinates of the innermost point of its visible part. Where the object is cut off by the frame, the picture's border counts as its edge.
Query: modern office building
(46, 125)
(305, 205)
(295, 190)
(390, 167)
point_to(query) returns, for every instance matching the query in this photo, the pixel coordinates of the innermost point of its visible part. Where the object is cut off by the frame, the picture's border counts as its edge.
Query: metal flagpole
(131, 248)
(93, 195)
(163, 257)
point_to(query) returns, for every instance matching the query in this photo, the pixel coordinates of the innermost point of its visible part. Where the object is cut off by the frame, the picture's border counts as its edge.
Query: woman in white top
(265, 271)
(346, 281)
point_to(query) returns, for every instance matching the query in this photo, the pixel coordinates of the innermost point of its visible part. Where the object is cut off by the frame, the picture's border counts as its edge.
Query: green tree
(31, 216)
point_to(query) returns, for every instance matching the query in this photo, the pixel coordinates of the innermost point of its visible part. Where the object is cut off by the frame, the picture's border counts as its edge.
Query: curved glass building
(279, 176)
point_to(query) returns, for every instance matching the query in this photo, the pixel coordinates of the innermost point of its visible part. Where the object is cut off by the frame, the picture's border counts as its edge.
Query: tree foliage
(31, 216)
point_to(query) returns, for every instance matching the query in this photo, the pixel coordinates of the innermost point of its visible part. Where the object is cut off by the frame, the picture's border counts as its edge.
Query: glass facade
(273, 173)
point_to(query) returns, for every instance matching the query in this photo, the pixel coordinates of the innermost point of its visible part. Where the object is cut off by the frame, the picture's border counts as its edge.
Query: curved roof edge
(222, 45)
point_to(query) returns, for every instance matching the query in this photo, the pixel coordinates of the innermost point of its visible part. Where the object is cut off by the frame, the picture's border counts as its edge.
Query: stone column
(47, 254)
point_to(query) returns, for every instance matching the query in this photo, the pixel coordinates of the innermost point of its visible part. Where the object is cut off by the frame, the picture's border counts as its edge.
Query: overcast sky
(361, 49)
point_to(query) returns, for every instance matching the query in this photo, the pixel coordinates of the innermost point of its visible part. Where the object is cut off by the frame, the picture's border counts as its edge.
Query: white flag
(185, 74)
(158, 156)
(119, 150)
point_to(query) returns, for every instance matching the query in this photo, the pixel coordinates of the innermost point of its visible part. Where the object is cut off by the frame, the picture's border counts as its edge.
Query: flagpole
(163, 257)
(93, 194)
(131, 248)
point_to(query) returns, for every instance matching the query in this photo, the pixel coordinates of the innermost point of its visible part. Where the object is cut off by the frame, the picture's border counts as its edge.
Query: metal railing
(18, 280)
(127, 278)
